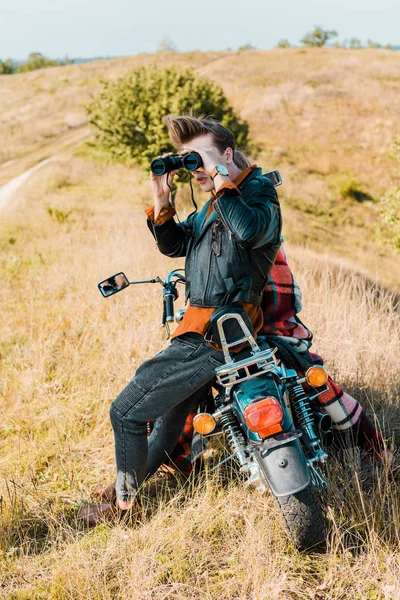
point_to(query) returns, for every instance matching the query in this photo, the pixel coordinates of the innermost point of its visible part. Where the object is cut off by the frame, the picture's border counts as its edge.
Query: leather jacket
(228, 257)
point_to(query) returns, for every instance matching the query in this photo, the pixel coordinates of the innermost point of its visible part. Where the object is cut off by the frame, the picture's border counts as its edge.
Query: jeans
(165, 388)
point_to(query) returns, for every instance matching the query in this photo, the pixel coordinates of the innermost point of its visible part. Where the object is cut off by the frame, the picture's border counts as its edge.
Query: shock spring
(305, 419)
(234, 437)
(301, 407)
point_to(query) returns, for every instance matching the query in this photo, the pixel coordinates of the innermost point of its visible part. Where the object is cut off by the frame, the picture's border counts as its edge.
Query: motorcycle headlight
(264, 417)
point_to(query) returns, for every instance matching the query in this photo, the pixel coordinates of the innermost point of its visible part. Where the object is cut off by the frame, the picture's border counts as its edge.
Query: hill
(325, 117)
(66, 352)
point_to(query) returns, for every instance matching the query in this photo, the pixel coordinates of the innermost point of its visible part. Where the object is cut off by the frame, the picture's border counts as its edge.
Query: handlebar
(170, 294)
(169, 308)
(118, 282)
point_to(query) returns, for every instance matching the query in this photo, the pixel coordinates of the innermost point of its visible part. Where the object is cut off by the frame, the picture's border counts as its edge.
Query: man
(230, 247)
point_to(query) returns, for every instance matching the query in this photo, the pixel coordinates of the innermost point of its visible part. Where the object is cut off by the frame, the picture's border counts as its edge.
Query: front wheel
(304, 519)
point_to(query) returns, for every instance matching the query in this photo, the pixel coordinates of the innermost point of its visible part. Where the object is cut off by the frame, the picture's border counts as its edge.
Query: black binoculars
(190, 161)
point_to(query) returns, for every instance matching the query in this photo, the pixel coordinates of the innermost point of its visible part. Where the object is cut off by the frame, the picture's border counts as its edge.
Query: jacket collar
(201, 225)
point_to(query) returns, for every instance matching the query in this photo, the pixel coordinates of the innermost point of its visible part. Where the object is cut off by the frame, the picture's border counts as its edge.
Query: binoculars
(190, 161)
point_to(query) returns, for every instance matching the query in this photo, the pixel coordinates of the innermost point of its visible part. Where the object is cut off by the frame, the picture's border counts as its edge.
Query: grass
(314, 114)
(66, 352)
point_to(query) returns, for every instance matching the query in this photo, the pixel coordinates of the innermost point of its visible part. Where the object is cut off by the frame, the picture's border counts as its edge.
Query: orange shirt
(197, 318)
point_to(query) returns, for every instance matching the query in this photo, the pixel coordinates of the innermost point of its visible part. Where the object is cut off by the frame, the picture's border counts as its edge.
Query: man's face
(204, 142)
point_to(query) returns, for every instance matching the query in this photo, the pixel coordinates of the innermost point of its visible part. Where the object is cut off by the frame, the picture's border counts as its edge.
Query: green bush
(390, 213)
(318, 37)
(127, 114)
(7, 67)
(246, 47)
(36, 60)
(346, 186)
(355, 43)
(390, 208)
(284, 43)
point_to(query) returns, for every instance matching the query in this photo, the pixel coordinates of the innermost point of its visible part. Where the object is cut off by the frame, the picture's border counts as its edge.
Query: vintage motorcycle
(272, 426)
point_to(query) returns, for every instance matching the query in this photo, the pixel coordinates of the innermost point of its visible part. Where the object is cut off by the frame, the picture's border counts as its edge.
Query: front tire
(304, 519)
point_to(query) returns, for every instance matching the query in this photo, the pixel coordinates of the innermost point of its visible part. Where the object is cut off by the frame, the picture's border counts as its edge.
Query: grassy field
(325, 117)
(66, 352)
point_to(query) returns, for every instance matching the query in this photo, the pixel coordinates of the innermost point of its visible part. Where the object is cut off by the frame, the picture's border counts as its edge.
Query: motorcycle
(266, 411)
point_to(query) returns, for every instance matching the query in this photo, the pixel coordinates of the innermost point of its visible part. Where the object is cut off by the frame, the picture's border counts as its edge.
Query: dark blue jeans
(165, 388)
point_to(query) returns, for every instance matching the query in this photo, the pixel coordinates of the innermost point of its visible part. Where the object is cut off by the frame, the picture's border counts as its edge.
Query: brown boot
(94, 514)
(107, 494)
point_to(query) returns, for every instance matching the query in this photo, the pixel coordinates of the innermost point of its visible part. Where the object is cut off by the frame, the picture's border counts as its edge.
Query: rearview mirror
(113, 284)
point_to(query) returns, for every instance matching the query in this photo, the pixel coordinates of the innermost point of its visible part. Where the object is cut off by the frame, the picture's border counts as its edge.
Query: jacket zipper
(208, 275)
(218, 211)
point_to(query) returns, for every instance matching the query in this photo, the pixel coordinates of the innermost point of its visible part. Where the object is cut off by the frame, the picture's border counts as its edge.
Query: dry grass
(65, 354)
(321, 116)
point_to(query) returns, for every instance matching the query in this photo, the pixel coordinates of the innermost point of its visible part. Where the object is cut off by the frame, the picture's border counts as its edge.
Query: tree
(167, 45)
(284, 43)
(7, 67)
(127, 114)
(318, 37)
(246, 47)
(355, 43)
(36, 60)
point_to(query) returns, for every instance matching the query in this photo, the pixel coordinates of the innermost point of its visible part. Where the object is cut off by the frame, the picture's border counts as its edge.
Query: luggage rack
(260, 362)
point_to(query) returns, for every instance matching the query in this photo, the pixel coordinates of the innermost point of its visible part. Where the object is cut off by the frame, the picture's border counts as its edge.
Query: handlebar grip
(169, 307)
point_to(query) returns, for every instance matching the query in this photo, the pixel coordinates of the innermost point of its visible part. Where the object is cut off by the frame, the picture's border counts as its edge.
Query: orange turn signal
(204, 423)
(317, 376)
(264, 417)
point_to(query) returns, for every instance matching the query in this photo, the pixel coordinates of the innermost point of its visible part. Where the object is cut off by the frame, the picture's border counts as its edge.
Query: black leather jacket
(228, 258)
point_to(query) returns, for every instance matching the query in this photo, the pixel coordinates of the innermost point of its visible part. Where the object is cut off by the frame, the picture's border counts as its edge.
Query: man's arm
(253, 222)
(171, 237)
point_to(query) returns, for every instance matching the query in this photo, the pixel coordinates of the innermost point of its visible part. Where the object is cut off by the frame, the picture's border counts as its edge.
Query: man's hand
(210, 156)
(160, 183)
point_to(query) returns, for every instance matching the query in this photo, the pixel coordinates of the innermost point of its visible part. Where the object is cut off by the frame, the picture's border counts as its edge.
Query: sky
(87, 28)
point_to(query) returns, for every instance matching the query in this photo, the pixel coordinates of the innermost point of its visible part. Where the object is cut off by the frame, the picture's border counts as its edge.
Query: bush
(7, 67)
(390, 208)
(390, 213)
(246, 47)
(36, 60)
(355, 44)
(372, 44)
(348, 187)
(284, 43)
(318, 37)
(127, 115)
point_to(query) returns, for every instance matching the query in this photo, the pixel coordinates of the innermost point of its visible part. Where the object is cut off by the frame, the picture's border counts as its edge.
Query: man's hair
(182, 129)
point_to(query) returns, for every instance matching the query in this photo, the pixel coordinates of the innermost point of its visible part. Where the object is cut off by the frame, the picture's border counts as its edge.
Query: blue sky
(88, 28)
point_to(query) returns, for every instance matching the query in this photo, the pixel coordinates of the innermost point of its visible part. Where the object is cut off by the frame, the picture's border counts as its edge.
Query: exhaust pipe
(322, 420)
(327, 439)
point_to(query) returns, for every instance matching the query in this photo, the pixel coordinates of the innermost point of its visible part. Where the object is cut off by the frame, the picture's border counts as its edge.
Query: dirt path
(14, 167)
(7, 191)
